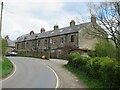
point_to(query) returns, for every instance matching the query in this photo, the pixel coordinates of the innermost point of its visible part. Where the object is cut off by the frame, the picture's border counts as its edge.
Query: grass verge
(91, 83)
(6, 67)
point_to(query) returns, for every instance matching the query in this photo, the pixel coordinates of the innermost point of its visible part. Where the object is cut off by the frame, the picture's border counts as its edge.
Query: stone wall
(49, 46)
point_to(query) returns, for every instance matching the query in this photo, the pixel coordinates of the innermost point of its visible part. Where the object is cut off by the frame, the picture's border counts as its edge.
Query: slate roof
(60, 31)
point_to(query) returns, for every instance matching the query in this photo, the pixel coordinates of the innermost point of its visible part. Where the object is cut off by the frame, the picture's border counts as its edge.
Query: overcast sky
(22, 16)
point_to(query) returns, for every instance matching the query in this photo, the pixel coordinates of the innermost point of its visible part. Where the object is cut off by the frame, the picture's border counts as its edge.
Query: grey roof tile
(61, 31)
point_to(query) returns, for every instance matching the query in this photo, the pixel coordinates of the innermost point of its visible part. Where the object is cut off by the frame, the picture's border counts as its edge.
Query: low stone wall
(37, 54)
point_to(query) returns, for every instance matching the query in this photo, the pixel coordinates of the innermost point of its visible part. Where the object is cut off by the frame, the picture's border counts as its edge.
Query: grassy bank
(87, 80)
(6, 67)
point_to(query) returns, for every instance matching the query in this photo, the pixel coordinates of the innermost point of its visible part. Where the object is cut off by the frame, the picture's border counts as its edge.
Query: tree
(4, 46)
(108, 17)
(68, 47)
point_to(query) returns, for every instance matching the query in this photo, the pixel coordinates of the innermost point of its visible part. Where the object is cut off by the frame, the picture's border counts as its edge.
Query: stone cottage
(51, 43)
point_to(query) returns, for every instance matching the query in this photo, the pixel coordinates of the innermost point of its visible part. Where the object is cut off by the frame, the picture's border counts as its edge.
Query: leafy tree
(105, 48)
(4, 46)
(108, 17)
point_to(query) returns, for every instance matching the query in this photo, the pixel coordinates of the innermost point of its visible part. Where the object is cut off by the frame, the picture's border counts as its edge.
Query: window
(27, 43)
(52, 51)
(17, 46)
(62, 40)
(38, 42)
(50, 41)
(45, 42)
(72, 38)
(53, 42)
(23, 45)
(33, 44)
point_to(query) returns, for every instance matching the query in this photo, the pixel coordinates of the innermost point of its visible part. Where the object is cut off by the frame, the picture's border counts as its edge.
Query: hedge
(33, 54)
(101, 68)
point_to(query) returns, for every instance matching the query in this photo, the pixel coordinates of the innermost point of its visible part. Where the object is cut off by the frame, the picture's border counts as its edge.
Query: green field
(6, 67)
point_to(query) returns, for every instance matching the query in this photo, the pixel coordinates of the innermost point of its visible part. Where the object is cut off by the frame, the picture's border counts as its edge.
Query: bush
(4, 46)
(101, 68)
(116, 75)
(93, 67)
(81, 63)
(91, 53)
(72, 58)
(104, 49)
(77, 61)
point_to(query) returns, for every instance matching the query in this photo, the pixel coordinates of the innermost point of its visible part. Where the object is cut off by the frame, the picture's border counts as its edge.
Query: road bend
(30, 73)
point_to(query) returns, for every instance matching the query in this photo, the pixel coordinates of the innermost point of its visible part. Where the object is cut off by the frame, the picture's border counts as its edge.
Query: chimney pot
(6, 37)
(56, 27)
(93, 19)
(72, 23)
(31, 32)
(42, 30)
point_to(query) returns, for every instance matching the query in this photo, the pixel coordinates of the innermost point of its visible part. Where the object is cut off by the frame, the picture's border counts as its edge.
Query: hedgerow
(100, 68)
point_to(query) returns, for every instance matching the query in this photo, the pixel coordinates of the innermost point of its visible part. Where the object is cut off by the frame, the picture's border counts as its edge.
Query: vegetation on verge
(91, 83)
(4, 46)
(104, 48)
(6, 67)
(99, 68)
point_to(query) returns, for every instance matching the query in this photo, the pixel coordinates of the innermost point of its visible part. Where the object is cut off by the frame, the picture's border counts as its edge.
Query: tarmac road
(30, 73)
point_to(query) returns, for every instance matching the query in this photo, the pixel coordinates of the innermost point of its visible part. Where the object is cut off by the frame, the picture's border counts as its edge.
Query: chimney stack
(31, 32)
(6, 37)
(42, 30)
(72, 23)
(93, 19)
(56, 27)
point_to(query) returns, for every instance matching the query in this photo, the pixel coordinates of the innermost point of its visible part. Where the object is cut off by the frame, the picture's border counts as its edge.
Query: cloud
(15, 26)
(17, 19)
(22, 16)
(29, 5)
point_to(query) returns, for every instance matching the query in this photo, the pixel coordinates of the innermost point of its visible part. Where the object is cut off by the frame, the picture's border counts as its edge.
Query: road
(30, 73)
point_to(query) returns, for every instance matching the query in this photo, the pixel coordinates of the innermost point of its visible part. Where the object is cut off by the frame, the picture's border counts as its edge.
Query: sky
(22, 16)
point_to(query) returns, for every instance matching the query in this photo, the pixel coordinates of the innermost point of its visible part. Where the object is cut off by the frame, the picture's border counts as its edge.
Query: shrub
(101, 68)
(77, 61)
(116, 74)
(81, 63)
(72, 57)
(4, 46)
(91, 53)
(104, 49)
(93, 67)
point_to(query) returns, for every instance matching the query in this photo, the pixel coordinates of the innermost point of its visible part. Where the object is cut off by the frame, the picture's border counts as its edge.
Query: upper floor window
(23, 45)
(72, 38)
(45, 42)
(27, 43)
(17, 46)
(38, 42)
(51, 41)
(62, 40)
